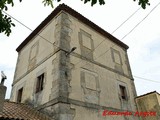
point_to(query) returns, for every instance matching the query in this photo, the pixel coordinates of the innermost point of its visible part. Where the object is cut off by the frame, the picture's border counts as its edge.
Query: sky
(140, 32)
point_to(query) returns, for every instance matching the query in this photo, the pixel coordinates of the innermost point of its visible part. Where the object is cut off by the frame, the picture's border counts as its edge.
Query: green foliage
(48, 2)
(93, 2)
(143, 3)
(6, 22)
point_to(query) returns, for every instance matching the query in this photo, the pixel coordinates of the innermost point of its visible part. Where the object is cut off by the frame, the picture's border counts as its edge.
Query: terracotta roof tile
(20, 111)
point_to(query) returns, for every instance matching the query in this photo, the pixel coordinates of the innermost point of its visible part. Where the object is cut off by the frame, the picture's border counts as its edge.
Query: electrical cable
(113, 31)
(124, 37)
(103, 40)
(27, 27)
(32, 30)
(126, 34)
(140, 21)
(126, 20)
(146, 79)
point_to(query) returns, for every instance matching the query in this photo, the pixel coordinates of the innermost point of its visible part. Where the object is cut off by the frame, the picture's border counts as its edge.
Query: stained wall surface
(82, 83)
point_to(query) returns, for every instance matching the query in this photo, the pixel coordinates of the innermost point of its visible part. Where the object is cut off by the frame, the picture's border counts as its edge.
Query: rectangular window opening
(39, 85)
(123, 92)
(19, 97)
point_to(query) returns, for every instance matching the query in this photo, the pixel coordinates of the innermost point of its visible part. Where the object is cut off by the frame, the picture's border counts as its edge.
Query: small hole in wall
(66, 74)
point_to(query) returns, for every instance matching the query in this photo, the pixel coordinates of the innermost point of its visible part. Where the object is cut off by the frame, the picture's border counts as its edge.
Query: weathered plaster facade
(78, 86)
(149, 102)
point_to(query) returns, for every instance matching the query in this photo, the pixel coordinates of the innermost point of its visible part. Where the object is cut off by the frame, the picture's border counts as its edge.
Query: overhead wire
(125, 36)
(113, 32)
(103, 40)
(57, 46)
(27, 27)
(137, 24)
(126, 20)
(32, 30)
(140, 21)
(146, 79)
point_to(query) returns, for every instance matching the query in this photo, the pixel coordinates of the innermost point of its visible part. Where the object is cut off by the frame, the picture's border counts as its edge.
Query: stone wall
(83, 83)
(87, 85)
(37, 57)
(149, 103)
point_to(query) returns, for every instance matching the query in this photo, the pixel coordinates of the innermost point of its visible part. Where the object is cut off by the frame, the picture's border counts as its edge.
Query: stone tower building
(78, 84)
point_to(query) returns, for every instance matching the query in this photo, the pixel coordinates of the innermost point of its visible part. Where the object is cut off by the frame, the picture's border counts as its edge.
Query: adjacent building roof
(63, 7)
(148, 94)
(20, 111)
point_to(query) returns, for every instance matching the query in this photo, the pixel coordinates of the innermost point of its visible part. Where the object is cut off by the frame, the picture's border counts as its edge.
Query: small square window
(19, 97)
(39, 85)
(123, 92)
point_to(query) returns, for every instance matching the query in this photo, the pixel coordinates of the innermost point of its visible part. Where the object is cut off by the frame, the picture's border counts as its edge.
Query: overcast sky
(143, 41)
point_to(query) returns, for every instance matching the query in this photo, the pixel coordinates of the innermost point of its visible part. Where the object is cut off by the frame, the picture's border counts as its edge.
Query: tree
(6, 22)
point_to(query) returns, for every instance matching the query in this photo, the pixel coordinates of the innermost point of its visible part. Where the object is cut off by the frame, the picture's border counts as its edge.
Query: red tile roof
(20, 111)
(63, 7)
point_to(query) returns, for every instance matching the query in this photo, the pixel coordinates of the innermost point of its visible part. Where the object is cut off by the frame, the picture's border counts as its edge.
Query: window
(39, 85)
(123, 92)
(86, 44)
(33, 55)
(19, 97)
(116, 57)
(34, 51)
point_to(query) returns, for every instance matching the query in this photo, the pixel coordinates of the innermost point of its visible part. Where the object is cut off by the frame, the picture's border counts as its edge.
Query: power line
(112, 33)
(146, 79)
(57, 46)
(124, 37)
(94, 58)
(140, 21)
(32, 30)
(126, 20)
(103, 40)
(119, 27)
(27, 27)
(126, 34)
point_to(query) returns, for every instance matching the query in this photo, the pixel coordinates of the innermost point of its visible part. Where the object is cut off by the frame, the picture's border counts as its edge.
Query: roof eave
(76, 15)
